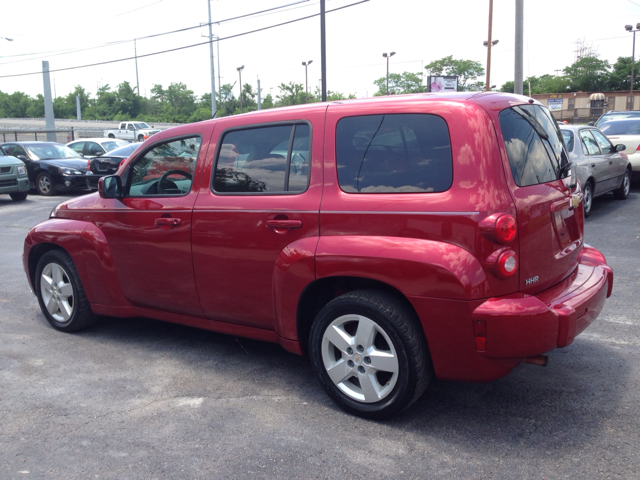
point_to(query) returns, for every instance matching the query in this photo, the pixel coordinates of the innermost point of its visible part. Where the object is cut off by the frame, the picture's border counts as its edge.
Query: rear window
(567, 135)
(393, 154)
(534, 145)
(621, 127)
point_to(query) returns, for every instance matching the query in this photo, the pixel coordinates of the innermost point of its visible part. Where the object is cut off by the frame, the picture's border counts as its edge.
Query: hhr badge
(531, 280)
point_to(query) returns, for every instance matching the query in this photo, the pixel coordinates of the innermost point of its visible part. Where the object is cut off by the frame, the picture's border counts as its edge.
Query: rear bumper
(487, 339)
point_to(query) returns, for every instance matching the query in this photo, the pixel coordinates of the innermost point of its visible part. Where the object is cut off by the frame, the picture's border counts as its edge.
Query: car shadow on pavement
(607, 204)
(560, 407)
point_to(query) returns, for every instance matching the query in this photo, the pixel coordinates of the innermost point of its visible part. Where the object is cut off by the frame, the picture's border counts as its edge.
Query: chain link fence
(60, 135)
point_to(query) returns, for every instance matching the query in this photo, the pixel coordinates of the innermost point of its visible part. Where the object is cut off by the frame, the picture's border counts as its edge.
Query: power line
(186, 46)
(119, 42)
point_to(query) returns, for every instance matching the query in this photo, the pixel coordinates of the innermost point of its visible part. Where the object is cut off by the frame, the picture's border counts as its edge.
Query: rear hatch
(550, 228)
(626, 132)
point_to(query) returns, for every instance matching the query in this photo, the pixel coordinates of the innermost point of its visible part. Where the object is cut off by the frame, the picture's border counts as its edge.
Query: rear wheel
(18, 196)
(44, 185)
(141, 138)
(369, 353)
(588, 199)
(60, 293)
(622, 192)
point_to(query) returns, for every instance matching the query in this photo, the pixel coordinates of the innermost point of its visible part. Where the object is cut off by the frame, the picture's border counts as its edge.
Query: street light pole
(629, 28)
(388, 56)
(306, 81)
(240, 74)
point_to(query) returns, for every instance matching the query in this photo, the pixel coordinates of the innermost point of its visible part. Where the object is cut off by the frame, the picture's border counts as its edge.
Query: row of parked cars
(51, 167)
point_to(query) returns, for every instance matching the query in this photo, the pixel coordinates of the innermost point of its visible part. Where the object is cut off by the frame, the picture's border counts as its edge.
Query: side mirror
(590, 124)
(110, 186)
(23, 158)
(620, 147)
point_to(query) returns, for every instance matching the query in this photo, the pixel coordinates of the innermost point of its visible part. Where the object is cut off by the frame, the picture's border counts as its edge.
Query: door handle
(284, 224)
(168, 221)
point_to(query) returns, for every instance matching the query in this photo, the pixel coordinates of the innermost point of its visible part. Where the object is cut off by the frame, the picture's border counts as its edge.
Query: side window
(589, 142)
(605, 144)
(130, 126)
(265, 160)
(567, 135)
(536, 152)
(78, 147)
(166, 170)
(401, 153)
(15, 150)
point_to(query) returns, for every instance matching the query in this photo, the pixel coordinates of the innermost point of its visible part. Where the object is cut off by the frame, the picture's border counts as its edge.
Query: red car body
(263, 266)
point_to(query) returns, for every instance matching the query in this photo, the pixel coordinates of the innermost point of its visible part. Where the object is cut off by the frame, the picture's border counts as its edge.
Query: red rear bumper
(488, 338)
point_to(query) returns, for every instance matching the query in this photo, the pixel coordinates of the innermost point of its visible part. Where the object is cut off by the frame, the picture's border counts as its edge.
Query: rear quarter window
(401, 153)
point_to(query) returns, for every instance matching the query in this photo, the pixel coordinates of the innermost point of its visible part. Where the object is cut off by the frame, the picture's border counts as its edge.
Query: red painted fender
(416, 267)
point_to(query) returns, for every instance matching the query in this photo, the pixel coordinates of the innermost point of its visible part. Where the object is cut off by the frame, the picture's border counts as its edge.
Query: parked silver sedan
(601, 166)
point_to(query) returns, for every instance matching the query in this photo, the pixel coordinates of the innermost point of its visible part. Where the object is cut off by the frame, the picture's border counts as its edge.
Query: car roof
(97, 140)
(27, 143)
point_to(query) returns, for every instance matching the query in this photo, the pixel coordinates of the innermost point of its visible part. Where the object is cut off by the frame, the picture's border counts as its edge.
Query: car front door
(596, 160)
(259, 212)
(149, 230)
(614, 163)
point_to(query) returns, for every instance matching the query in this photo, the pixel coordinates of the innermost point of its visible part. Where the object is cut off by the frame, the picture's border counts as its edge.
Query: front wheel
(18, 196)
(141, 138)
(60, 293)
(44, 185)
(111, 135)
(588, 199)
(370, 354)
(622, 192)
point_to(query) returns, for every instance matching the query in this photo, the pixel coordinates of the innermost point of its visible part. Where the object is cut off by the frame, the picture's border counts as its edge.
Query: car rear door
(259, 209)
(549, 227)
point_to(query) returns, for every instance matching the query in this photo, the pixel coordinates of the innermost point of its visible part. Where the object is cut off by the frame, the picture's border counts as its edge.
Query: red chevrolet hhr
(391, 239)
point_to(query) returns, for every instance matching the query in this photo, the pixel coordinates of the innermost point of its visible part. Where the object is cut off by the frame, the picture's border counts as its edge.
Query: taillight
(507, 263)
(122, 162)
(88, 165)
(499, 228)
(506, 228)
(637, 149)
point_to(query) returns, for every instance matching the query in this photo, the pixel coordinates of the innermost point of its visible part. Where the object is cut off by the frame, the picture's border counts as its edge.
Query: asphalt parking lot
(134, 398)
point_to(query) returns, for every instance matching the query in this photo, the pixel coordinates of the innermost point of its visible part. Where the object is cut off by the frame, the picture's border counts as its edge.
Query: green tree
(405, 82)
(291, 94)
(620, 76)
(588, 74)
(467, 71)
(14, 105)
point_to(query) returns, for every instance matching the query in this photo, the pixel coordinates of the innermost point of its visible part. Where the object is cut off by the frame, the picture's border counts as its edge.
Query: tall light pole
(240, 74)
(388, 56)
(629, 28)
(214, 108)
(518, 70)
(306, 81)
(489, 43)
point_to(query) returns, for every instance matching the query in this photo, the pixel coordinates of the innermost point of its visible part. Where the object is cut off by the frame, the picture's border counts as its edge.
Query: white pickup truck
(132, 131)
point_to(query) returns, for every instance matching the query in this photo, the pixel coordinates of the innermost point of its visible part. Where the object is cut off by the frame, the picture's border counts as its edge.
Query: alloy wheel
(57, 292)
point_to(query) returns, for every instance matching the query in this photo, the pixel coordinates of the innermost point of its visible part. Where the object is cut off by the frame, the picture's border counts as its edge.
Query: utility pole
(518, 73)
(488, 83)
(78, 110)
(240, 74)
(323, 51)
(135, 51)
(213, 75)
(259, 100)
(50, 123)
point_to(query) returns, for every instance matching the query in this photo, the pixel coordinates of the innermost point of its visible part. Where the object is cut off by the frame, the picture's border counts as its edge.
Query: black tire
(141, 138)
(111, 135)
(44, 185)
(60, 293)
(396, 337)
(587, 201)
(18, 196)
(622, 192)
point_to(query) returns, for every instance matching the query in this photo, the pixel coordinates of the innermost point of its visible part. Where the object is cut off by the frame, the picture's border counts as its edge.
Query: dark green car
(13, 177)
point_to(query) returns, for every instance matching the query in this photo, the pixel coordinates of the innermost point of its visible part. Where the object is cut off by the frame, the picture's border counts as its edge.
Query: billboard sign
(554, 104)
(442, 83)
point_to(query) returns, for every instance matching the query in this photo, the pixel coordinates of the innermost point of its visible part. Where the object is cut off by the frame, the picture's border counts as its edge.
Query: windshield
(125, 151)
(108, 146)
(621, 127)
(608, 117)
(48, 151)
(141, 125)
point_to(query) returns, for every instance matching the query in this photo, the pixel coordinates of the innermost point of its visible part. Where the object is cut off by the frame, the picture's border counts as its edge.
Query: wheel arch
(320, 292)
